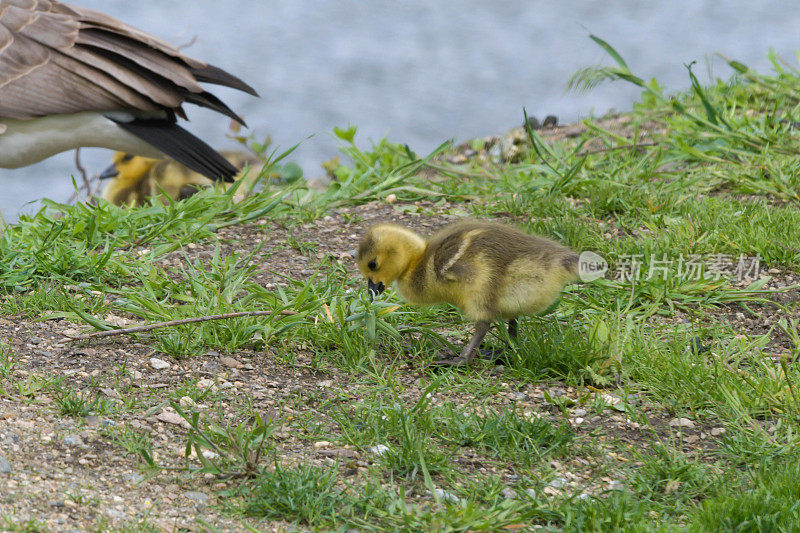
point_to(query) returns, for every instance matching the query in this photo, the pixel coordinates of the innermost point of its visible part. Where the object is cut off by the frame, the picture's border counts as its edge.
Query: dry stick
(87, 182)
(157, 325)
(84, 175)
(80, 168)
(187, 45)
(92, 193)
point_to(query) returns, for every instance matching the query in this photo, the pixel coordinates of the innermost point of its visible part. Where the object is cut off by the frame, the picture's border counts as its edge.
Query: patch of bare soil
(757, 319)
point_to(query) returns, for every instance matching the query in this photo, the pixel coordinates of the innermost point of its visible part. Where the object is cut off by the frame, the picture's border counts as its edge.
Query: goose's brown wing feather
(62, 84)
(56, 58)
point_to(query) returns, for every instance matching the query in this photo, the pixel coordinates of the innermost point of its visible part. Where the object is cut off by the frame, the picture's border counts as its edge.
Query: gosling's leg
(468, 353)
(512, 328)
(501, 354)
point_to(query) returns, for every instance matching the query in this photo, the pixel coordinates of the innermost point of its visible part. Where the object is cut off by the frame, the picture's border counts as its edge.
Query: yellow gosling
(137, 178)
(486, 270)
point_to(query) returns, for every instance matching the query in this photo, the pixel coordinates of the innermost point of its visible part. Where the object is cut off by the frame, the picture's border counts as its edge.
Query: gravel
(158, 364)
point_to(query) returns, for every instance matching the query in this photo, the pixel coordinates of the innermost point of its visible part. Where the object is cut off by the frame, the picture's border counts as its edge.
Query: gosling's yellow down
(72, 77)
(135, 178)
(489, 271)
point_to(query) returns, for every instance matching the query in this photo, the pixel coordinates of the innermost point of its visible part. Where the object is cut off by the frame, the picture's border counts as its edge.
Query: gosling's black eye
(372, 265)
(127, 157)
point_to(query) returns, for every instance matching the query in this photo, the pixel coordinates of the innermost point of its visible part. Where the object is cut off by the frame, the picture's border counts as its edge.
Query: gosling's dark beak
(110, 172)
(375, 289)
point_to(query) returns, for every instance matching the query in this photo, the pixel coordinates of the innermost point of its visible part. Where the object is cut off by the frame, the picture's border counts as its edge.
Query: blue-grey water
(423, 71)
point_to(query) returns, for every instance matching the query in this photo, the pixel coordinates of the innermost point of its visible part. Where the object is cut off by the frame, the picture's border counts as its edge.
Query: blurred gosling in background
(136, 179)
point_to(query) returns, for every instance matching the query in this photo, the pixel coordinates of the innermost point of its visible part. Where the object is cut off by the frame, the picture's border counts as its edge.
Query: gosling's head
(128, 167)
(386, 252)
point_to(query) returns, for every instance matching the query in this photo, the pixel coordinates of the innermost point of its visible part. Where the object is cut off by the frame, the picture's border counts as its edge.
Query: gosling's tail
(570, 264)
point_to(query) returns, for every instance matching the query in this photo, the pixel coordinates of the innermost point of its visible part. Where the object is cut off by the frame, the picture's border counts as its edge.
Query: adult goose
(72, 77)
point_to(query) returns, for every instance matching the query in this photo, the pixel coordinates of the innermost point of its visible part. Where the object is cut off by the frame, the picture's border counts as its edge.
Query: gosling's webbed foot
(457, 361)
(469, 351)
(502, 355)
(494, 354)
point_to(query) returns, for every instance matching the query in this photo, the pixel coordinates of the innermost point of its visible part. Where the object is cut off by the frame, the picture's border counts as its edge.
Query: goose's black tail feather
(212, 74)
(181, 146)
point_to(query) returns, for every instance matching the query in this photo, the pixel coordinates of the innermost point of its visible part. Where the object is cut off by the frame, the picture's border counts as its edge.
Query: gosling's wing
(453, 257)
(58, 59)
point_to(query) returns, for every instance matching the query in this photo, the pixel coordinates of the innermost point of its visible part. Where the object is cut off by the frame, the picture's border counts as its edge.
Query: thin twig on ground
(158, 325)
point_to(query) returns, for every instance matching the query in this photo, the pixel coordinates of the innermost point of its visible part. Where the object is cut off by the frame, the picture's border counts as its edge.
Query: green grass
(135, 443)
(711, 172)
(506, 434)
(72, 402)
(769, 502)
(305, 494)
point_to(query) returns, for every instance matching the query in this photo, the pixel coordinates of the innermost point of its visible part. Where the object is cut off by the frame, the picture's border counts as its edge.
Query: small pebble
(158, 364)
(446, 496)
(72, 440)
(5, 466)
(616, 485)
(230, 362)
(199, 497)
(205, 383)
(681, 423)
(172, 418)
(508, 493)
(133, 477)
(187, 403)
(379, 450)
